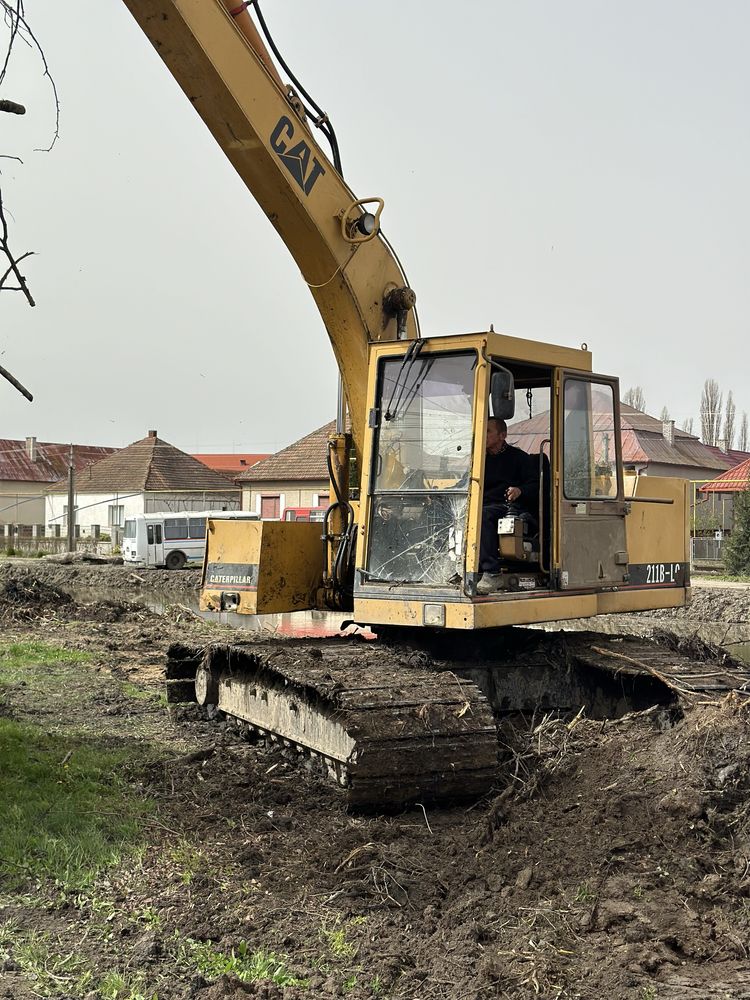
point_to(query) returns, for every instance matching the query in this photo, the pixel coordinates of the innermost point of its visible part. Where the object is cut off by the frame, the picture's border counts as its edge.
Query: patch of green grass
(19, 659)
(349, 984)
(8, 934)
(89, 901)
(187, 857)
(335, 938)
(584, 893)
(114, 986)
(132, 691)
(245, 965)
(376, 985)
(149, 916)
(52, 974)
(67, 809)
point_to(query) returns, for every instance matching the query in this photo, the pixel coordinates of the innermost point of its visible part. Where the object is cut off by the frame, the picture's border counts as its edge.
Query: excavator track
(396, 724)
(389, 731)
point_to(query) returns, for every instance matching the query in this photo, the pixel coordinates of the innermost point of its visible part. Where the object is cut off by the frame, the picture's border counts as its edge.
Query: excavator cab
(566, 554)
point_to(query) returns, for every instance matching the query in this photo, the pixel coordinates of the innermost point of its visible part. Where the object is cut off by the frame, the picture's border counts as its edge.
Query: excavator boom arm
(220, 63)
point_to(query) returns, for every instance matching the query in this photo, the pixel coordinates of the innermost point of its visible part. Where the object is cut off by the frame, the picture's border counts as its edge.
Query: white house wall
(92, 508)
(21, 503)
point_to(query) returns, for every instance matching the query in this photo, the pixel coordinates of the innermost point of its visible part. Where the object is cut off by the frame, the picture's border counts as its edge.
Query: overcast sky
(570, 172)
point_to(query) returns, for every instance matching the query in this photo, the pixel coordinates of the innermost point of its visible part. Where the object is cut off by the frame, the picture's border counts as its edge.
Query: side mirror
(502, 393)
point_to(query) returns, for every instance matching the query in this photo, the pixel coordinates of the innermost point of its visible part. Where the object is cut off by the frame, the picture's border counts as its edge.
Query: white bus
(172, 540)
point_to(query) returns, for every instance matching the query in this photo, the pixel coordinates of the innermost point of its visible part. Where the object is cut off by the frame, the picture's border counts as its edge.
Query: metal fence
(707, 550)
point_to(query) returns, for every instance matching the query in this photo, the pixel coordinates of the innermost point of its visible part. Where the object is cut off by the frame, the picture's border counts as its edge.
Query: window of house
(270, 507)
(324, 499)
(116, 516)
(197, 527)
(175, 528)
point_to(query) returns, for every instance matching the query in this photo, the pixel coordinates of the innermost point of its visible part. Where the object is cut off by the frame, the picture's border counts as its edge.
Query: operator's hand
(512, 494)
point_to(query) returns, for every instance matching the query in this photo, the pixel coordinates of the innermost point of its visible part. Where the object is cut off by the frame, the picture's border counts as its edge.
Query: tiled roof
(734, 480)
(305, 459)
(642, 440)
(51, 461)
(231, 464)
(149, 465)
(733, 455)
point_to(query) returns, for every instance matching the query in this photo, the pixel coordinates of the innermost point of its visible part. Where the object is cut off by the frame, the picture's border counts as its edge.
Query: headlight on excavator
(366, 224)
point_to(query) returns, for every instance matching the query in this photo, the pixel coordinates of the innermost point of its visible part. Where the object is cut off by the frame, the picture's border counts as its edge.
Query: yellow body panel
(498, 612)
(273, 567)
(658, 532)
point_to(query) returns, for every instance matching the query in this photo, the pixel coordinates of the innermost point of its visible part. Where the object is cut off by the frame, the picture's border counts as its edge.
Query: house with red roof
(231, 465)
(650, 447)
(716, 498)
(29, 467)
(296, 476)
(148, 476)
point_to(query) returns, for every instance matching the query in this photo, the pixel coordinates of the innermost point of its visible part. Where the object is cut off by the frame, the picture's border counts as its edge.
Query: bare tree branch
(19, 29)
(14, 381)
(15, 18)
(12, 261)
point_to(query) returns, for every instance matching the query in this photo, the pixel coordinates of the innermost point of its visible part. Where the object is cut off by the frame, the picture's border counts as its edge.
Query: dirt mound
(712, 604)
(27, 597)
(613, 860)
(81, 574)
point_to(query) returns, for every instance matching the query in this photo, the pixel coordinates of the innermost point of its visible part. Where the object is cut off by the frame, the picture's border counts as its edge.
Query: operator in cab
(511, 488)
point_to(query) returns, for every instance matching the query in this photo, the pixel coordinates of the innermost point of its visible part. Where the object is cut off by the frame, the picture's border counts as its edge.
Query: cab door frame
(590, 550)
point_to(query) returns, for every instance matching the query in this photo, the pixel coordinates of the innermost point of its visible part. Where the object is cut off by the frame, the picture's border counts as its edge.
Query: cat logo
(297, 158)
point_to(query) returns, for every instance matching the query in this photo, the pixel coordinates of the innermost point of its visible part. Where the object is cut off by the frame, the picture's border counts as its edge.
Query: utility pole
(71, 503)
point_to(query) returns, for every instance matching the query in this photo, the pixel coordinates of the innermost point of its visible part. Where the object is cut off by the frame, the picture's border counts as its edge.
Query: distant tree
(664, 415)
(634, 397)
(742, 443)
(737, 546)
(729, 415)
(687, 425)
(711, 400)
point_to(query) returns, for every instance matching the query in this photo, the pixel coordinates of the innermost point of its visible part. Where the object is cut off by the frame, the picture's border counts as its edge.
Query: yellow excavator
(400, 547)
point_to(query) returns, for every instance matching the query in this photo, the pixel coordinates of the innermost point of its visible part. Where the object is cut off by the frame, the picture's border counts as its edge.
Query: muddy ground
(612, 859)
(123, 579)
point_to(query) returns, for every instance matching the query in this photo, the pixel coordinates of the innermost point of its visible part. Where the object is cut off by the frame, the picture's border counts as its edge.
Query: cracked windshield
(422, 472)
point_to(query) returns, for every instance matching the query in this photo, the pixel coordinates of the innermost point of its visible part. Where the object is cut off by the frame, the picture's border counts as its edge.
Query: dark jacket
(511, 467)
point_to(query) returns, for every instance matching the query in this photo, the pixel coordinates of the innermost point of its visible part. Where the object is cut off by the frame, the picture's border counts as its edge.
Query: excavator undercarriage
(394, 724)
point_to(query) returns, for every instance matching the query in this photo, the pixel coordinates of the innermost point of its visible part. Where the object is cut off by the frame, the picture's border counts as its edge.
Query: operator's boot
(489, 583)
